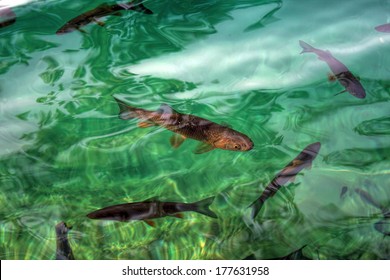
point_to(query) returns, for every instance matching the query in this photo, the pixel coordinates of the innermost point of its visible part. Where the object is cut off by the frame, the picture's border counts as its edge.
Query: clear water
(65, 153)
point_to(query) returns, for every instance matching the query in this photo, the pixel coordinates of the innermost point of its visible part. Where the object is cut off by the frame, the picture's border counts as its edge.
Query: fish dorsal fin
(203, 148)
(166, 109)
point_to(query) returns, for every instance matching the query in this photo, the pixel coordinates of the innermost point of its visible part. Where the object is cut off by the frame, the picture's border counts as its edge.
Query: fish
(7, 16)
(340, 71)
(64, 251)
(211, 135)
(383, 225)
(343, 191)
(100, 11)
(151, 209)
(383, 28)
(366, 197)
(303, 160)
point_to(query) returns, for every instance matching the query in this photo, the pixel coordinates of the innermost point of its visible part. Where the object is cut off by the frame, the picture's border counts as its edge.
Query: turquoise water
(64, 151)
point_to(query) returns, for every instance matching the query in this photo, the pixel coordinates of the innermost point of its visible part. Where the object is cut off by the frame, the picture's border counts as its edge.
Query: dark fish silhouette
(365, 196)
(343, 191)
(383, 226)
(64, 251)
(385, 221)
(101, 11)
(211, 135)
(341, 72)
(151, 209)
(383, 28)
(7, 16)
(303, 160)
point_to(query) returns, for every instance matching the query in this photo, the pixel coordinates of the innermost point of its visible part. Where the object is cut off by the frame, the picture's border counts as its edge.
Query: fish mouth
(249, 146)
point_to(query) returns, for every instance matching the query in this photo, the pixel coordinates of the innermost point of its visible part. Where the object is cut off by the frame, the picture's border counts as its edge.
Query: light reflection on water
(64, 151)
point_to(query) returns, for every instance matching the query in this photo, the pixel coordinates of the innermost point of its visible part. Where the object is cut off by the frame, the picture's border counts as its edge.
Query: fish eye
(237, 147)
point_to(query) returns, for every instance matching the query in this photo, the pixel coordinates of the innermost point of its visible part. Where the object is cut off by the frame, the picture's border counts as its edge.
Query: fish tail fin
(125, 111)
(256, 207)
(203, 207)
(306, 47)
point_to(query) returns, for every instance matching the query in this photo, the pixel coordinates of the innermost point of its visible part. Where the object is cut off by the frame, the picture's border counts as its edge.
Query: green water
(64, 151)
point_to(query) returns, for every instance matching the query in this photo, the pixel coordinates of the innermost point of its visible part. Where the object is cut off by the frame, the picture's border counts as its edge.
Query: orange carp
(340, 71)
(151, 209)
(100, 11)
(303, 160)
(64, 251)
(212, 135)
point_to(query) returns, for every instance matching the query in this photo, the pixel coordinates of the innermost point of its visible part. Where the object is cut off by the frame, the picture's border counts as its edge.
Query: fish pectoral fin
(176, 140)
(145, 124)
(150, 223)
(332, 77)
(179, 215)
(203, 148)
(340, 92)
(81, 30)
(292, 178)
(98, 22)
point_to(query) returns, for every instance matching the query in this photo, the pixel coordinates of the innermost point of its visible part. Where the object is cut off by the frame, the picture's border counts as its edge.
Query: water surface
(64, 151)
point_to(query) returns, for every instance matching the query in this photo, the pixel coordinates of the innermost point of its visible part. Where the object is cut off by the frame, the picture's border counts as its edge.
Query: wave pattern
(64, 151)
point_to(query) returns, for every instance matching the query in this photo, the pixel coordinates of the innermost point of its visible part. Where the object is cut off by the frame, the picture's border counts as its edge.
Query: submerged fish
(211, 135)
(366, 197)
(383, 28)
(303, 160)
(341, 72)
(7, 16)
(98, 12)
(383, 225)
(64, 251)
(343, 191)
(151, 209)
